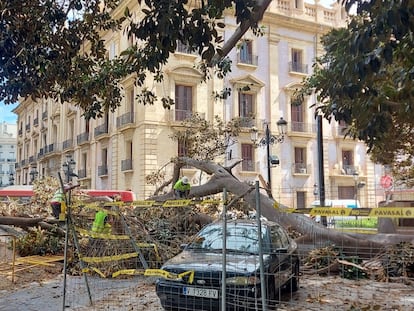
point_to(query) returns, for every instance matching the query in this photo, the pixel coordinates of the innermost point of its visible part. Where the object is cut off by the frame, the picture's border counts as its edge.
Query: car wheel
(294, 282)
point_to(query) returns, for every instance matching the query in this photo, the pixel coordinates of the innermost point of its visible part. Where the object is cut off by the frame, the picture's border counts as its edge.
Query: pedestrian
(182, 188)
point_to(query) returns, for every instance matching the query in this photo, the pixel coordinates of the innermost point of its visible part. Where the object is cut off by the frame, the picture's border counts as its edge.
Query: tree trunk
(19, 221)
(222, 177)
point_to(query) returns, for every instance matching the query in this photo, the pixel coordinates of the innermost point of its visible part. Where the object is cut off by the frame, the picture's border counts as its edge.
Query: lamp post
(69, 167)
(266, 141)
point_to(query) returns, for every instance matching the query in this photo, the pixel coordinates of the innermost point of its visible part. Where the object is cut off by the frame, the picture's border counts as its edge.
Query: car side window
(279, 238)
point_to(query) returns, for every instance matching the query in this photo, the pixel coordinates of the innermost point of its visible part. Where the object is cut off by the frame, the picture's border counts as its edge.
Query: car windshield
(240, 238)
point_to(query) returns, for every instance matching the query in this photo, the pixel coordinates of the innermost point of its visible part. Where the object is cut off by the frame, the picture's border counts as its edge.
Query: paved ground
(316, 293)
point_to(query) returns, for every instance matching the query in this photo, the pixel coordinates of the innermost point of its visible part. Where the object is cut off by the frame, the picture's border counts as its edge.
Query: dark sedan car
(197, 284)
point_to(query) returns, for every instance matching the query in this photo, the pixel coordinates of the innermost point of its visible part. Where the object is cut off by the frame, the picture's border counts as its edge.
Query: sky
(5, 113)
(5, 110)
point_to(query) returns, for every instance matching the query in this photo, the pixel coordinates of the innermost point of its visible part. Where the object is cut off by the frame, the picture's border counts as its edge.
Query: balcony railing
(101, 129)
(302, 127)
(126, 118)
(20, 132)
(82, 138)
(349, 169)
(102, 170)
(249, 59)
(301, 168)
(68, 143)
(248, 165)
(44, 115)
(298, 67)
(27, 127)
(36, 122)
(185, 49)
(126, 165)
(247, 122)
(82, 173)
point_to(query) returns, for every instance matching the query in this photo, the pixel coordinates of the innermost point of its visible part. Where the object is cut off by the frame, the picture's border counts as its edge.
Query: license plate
(200, 292)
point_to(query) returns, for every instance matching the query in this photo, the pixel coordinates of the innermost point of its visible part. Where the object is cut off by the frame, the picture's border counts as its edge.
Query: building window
(245, 105)
(247, 151)
(297, 64)
(182, 148)
(300, 160)
(300, 199)
(183, 102)
(297, 112)
(245, 54)
(346, 192)
(348, 162)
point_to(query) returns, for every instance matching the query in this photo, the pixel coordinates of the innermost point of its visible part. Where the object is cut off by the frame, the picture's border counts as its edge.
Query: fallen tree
(222, 178)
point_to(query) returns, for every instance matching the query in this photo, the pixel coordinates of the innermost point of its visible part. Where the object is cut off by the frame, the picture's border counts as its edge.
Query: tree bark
(221, 177)
(20, 221)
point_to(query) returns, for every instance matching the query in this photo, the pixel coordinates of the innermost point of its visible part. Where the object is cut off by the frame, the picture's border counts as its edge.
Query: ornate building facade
(120, 149)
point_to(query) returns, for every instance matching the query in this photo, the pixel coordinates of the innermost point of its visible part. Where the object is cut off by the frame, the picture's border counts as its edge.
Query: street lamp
(33, 174)
(69, 167)
(268, 140)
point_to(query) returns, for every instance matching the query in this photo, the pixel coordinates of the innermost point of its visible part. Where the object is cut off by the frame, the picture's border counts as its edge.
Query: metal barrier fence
(8, 256)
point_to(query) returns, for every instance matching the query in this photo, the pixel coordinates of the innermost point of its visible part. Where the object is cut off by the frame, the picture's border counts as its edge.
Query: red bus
(24, 193)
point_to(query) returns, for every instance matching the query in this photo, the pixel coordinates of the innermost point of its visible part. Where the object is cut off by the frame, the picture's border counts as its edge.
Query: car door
(282, 261)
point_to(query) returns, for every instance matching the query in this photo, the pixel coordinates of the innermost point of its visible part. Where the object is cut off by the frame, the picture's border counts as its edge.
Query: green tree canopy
(53, 48)
(366, 78)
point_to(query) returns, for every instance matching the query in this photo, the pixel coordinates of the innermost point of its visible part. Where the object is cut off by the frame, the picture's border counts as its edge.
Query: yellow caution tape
(330, 211)
(116, 203)
(176, 203)
(170, 276)
(104, 236)
(85, 270)
(210, 201)
(108, 258)
(143, 203)
(392, 212)
(128, 272)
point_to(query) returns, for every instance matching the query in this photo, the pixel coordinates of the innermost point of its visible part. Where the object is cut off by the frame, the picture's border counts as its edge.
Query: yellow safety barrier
(380, 212)
(176, 203)
(108, 258)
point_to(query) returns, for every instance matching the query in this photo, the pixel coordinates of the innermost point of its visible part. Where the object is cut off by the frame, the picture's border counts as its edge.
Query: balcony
(20, 132)
(126, 118)
(36, 122)
(126, 165)
(82, 138)
(32, 159)
(296, 67)
(181, 115)
(40, 154)
(248, 166)
(184, 49)
(301, 169)
(67, 144)
(102, 170)
(27, 127)
(349, 170)
(44, 115)
(247, 122)
(82, 173)
(101, 130)
(247, 59)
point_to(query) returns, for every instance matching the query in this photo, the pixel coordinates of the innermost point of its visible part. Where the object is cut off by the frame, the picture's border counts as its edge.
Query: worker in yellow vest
(58, 203)
(182, 188)
(101, 224)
